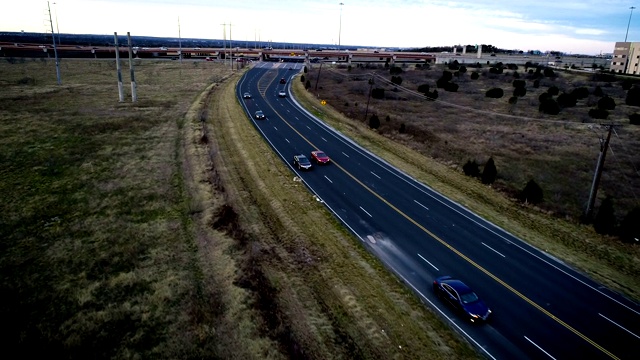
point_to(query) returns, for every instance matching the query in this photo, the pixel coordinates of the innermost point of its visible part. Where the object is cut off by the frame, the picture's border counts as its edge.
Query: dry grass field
(150, 230)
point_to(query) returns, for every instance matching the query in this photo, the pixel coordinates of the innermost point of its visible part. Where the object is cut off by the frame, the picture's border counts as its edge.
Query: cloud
(590, 32)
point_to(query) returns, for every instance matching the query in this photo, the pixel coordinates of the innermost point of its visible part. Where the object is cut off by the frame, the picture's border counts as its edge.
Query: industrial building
(626, 56)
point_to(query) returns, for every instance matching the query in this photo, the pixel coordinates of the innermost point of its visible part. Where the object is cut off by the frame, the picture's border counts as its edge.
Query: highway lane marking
(541, 349)
(365, 211)
(620, 326)
(325, 140)
(330, 181)
(427, 261)
(374, 174)
(275, 128)
(287, 140)
(497, 252)
(345, 154)
(416, 201)
(457, 252)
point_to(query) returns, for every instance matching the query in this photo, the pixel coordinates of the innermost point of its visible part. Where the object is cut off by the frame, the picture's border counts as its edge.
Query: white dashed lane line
(427, 261)
(415, 201)
(492, 249)
(365, 211)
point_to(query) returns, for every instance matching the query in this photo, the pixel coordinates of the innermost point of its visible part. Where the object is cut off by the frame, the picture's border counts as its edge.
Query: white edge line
(427, 261)
(541, 349)
(620, 326)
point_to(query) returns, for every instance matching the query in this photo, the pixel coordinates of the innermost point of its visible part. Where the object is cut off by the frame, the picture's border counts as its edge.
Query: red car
(319, 157)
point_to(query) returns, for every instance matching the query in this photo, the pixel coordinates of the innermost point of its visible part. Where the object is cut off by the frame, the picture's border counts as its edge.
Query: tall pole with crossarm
(55, 48)
(340, 28)
(629, 23)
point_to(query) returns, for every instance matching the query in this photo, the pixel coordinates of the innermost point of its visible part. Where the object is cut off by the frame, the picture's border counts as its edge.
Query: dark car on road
(259, 115)
(301, 162)
(283, 81)
(319, 157)
(461, 298)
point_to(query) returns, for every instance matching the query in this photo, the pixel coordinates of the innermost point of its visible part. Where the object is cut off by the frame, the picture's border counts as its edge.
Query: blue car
(461, 298)
(301, 162)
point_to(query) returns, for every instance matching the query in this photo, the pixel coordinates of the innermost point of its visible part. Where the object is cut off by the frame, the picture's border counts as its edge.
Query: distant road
(543, 309)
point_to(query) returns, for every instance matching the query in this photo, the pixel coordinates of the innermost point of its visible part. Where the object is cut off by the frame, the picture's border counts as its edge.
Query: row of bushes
(605, 221)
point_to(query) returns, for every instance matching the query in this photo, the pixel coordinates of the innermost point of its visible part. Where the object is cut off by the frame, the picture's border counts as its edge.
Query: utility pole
(318, 77)
(230, 48)
(118, 68)
(179, 42)
(366, 112)
(134, 86)
(604, 145)
(55, 48)
(340, 28)
(224, 42)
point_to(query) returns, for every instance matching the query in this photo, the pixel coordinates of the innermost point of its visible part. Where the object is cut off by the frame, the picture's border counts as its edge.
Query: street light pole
(629, 23)
(340, 28)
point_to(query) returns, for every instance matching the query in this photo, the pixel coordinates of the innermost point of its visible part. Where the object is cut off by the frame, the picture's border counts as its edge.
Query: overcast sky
(585, 26)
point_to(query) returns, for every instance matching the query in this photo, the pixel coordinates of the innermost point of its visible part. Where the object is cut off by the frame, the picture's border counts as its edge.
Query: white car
(282, 93)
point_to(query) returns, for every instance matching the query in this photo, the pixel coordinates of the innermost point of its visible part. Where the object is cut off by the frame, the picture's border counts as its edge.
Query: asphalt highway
(542, 309)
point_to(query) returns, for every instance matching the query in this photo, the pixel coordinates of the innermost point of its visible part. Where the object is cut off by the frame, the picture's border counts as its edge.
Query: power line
(635, 169)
